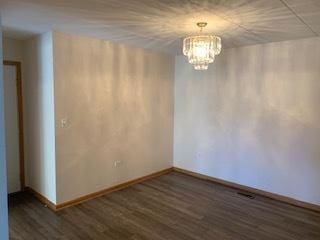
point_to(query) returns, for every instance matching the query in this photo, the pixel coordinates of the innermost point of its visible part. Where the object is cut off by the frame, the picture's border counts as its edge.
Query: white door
(12, 128)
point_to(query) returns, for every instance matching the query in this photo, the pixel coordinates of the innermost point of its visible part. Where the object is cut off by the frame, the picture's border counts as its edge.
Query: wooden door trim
(17, 65)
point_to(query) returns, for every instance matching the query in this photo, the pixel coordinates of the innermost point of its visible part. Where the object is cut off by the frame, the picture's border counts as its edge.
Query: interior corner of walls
(264, 120)
(119, 68)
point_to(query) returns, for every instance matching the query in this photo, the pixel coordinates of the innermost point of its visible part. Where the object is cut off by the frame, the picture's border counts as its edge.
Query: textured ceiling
(161, 24)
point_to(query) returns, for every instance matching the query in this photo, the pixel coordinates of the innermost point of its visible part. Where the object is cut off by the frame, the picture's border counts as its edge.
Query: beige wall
(13, 49)
(118, 105)
(253, 118)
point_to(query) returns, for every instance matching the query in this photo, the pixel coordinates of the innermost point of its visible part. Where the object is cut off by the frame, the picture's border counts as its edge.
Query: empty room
(160, 119)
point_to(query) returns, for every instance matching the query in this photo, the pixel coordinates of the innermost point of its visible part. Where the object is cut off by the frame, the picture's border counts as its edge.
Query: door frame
(17, 66)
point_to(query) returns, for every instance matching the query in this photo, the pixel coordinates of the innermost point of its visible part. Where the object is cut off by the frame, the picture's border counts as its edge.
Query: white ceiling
(161, 24)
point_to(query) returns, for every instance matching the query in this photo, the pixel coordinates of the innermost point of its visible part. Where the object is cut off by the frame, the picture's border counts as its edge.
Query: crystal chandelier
(201, 49)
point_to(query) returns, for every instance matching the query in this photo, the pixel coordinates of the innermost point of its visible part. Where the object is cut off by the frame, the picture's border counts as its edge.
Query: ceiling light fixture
(201, 49)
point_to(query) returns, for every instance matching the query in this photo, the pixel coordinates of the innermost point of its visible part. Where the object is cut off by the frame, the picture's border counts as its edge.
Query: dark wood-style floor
(170, 207)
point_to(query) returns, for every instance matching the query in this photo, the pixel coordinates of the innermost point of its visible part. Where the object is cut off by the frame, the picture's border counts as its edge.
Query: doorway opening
(14, 126)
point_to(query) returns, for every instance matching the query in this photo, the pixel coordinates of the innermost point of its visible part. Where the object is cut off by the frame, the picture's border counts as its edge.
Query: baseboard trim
(255, 191)
(111, 189)
(58, 207)
(121, 186)
(41, 198)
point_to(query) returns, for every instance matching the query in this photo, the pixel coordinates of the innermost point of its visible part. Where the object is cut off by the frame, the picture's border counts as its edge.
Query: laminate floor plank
(170, 207)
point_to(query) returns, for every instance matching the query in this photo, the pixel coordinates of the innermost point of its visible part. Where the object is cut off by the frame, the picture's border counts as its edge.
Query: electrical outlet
(117, 163)
(64, 122)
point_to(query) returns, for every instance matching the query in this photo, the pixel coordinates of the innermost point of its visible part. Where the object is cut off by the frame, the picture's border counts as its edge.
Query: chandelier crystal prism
(201, 49)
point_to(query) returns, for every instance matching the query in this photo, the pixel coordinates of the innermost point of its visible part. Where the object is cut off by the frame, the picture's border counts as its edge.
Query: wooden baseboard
(255, 191)
(85, 198)
(111, 189)
(236, 186)
(41, 198)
